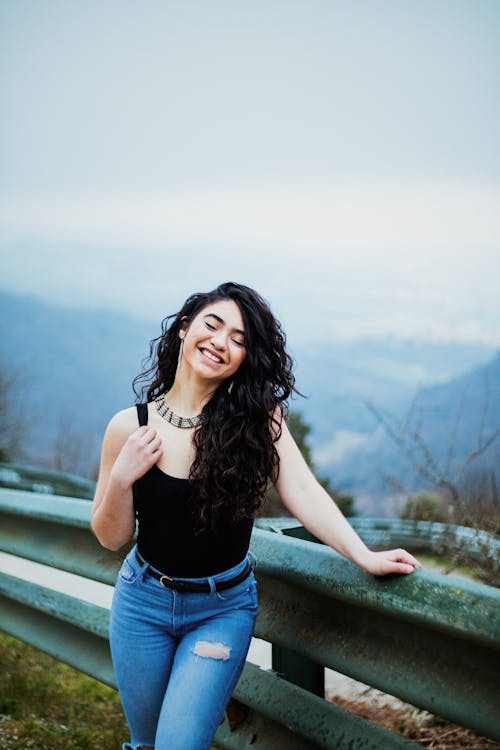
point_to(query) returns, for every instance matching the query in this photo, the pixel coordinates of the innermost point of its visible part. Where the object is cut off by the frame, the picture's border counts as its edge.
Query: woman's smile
(211, 355)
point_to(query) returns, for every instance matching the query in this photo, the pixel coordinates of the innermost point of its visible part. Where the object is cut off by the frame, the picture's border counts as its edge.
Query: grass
(46, 705)
(447, 566)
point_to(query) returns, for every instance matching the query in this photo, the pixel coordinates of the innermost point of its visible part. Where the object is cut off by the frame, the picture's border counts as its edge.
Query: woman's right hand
(141, 450)
(127, 453)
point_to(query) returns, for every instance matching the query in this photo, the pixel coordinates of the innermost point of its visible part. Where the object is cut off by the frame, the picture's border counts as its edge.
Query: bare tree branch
(454, 432)
(477, 452)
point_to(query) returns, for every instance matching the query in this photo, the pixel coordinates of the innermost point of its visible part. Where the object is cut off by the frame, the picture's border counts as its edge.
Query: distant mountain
(444, 423)
(338, 377)
(73, 369)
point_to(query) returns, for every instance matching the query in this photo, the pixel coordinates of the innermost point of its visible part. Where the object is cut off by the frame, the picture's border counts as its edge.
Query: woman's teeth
(211, 356)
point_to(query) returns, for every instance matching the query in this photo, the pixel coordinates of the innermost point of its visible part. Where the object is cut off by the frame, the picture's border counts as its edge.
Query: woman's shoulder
(123, 423)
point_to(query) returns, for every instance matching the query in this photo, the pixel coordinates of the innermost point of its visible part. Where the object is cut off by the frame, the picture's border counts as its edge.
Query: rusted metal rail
(427, 639)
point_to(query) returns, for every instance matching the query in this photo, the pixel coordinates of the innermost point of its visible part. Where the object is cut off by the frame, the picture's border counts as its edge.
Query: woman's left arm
(306, 499)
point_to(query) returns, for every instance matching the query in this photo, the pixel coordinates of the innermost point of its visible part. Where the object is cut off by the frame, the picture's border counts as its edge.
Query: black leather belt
(192, 586)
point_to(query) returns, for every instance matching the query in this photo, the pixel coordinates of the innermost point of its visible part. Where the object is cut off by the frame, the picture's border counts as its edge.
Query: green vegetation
(425, 506)
(479, 512)
(46, 705)
(448, 566)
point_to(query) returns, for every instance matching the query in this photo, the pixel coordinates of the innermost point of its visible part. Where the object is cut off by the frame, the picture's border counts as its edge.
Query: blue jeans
(178, 655)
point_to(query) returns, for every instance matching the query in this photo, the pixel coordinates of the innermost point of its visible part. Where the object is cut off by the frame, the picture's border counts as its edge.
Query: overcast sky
(341, 157)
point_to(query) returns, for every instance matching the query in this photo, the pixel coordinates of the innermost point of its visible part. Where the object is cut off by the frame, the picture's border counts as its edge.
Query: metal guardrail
(429, 537)
(36, 479)
(427, 639)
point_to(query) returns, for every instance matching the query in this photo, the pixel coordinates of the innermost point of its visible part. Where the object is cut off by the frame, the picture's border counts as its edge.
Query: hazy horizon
(340, 157)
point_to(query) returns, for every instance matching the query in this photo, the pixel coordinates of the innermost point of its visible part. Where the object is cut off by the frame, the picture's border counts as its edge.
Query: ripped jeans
(178, 655)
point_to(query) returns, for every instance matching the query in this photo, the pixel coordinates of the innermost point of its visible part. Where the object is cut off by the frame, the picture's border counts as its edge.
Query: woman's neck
(188, 396)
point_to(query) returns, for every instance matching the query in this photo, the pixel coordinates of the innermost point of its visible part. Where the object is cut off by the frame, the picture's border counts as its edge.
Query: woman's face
(214, 342)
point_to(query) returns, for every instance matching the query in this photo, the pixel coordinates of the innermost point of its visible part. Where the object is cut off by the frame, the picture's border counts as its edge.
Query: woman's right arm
(127, 453)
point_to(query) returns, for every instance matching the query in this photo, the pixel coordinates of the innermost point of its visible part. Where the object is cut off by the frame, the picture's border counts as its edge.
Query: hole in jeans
(210, 650)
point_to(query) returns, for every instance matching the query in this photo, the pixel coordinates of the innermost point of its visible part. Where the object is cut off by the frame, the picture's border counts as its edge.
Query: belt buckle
(168, 579)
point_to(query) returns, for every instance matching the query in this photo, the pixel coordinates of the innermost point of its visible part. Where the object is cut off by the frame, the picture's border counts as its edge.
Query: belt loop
(143, 565)
(212, 584)
(252, 560)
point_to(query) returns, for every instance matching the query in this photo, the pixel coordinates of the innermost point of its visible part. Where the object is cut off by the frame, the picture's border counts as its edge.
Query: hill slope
(440, 430)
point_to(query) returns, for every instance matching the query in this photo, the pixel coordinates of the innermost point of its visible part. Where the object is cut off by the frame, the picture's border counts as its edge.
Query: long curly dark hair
(235, 453)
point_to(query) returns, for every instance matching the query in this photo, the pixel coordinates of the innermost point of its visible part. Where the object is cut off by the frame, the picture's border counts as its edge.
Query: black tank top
(166, 536)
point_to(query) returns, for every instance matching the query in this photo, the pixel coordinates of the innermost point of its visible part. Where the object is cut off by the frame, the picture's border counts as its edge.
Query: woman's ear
(183, 327)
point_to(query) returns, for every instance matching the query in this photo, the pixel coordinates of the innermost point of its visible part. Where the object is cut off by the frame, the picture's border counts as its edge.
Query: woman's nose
(219, 339)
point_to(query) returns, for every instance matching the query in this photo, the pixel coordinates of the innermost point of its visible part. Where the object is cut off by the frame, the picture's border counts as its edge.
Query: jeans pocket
(240, 589)
(130, 570)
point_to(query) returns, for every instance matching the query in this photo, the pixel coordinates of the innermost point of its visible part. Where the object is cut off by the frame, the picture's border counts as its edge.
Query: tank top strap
(142, 414)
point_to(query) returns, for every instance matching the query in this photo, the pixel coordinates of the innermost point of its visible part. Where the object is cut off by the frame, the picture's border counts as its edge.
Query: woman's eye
(240, 343)
(210, 326)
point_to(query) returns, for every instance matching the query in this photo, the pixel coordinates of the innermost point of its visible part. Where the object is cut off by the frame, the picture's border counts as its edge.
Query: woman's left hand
(389, 561)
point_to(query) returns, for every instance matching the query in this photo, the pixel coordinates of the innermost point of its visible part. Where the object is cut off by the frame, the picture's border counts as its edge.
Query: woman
(185, 601)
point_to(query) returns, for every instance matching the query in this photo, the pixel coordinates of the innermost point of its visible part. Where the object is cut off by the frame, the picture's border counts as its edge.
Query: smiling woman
(215, 340)
(191, 464)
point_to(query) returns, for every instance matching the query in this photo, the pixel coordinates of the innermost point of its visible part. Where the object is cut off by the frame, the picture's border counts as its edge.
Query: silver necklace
(166, 412)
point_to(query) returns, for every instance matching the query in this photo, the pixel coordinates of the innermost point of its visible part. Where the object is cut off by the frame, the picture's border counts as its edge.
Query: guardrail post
(292, 666)
(299, 670)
